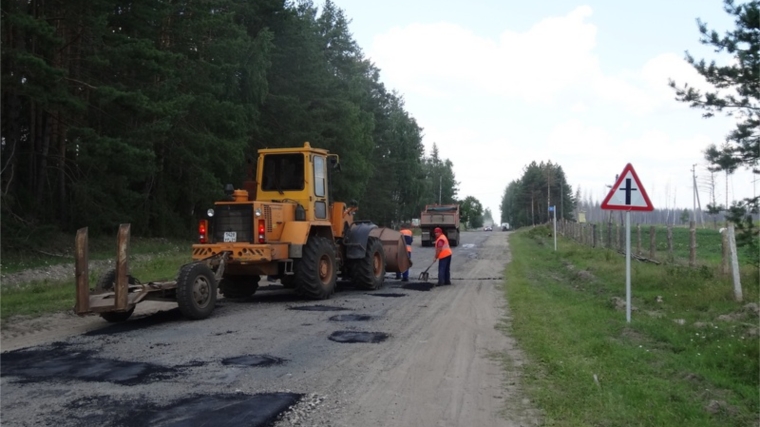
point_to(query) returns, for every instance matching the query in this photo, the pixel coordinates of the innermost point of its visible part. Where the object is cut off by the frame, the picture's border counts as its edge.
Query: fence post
(734, 264)
(670, 243)
(638, 239)
(609, 233)
(726, 252)
(593, 235)
(652, 243)
(692, 243)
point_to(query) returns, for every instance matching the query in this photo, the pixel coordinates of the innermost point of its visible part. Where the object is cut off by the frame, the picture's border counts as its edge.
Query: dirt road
(405, 355)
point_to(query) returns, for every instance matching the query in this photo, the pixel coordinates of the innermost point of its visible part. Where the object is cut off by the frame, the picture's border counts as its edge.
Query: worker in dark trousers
(443, 255)
(408, 239)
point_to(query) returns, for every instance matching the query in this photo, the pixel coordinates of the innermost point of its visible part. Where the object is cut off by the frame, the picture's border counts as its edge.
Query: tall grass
(688, 357)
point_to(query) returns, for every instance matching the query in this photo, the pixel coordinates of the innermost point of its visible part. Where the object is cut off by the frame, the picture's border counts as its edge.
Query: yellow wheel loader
(282, 224)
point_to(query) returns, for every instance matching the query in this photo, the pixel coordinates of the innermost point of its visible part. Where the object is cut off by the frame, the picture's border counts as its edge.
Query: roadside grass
(676, 363)
(59, 249)
(46, 296)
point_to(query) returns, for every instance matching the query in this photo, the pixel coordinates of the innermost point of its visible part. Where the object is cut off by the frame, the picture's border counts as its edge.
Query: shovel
(424, 276)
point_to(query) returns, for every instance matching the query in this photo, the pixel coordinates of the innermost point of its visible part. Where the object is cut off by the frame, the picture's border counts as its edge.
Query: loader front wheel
(315, 273)
(239, 286)
(369, 272)
(107, 283)
(196, 291)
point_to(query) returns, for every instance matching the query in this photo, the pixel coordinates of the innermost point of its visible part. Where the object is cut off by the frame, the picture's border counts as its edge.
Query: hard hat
(438, 230)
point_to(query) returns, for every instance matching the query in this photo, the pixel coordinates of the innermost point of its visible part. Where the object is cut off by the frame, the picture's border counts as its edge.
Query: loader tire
(107, 283)
(239, 286)
(196, 291)
(369, 272)
(316, 273)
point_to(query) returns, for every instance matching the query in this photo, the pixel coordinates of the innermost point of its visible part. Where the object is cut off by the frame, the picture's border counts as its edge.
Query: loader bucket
(396, 259)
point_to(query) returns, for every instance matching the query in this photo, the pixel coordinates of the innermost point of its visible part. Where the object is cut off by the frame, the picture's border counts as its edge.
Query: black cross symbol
(628, 190)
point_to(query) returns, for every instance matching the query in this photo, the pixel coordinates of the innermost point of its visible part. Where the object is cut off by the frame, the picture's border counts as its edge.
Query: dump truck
(444, 216)
(281, 224)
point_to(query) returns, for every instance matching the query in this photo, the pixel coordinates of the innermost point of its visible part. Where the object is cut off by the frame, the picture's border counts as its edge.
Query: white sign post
(628, 195)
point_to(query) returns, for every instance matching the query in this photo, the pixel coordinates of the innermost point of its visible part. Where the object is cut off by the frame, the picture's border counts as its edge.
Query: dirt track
(400, 356)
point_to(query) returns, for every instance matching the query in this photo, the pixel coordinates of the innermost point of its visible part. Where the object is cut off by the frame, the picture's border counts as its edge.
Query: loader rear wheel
(369, 272)
(239, 286)
(107, 283)
(196, 291)
(315, 273)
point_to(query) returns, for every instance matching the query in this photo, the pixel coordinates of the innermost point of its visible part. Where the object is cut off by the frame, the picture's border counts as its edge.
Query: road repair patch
(351, 317)
(259, 360)
(60, 362)
(358, 337)
(387, 295)
(218, 410)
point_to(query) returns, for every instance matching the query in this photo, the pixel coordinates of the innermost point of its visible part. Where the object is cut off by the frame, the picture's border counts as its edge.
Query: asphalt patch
(218, 410)
(60, 362)
(387, 295)
(351, 318)
(253, 360)
(419, 286)
(358, 337)
(319, 307)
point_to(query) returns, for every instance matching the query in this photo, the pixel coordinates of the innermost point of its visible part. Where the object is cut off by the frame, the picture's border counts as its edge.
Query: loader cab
(300, 175)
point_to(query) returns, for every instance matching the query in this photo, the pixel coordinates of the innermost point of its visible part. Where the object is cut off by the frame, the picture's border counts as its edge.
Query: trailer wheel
(315, 273)
(107, 283)
(369, 272)
(196, 291)
(239, 286)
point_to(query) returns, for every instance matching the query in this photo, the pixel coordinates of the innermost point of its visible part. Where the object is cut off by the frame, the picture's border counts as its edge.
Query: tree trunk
(670, 243)
(692, 243)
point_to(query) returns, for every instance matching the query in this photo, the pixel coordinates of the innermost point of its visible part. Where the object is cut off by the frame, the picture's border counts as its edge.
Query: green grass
(709, 247)
(43, 297)
(651, 372)
(59, 249)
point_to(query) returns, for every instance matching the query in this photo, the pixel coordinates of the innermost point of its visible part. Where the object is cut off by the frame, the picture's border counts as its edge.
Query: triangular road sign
(627, 194)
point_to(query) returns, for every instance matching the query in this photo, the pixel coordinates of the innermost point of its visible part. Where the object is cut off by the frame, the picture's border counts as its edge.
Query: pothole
(253, 360)
(351, 318)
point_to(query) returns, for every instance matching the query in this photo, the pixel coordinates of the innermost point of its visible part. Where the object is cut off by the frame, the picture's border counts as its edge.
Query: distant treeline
(140, 111)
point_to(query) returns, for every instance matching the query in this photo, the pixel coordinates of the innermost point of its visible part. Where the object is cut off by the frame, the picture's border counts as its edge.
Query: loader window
(283, 172)
(319, 176)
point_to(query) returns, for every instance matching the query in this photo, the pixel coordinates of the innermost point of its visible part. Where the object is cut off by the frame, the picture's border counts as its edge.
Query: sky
(498, 84)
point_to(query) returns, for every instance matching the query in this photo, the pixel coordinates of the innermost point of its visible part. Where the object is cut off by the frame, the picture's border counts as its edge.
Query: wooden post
(652, 243)
(726, 253)
(82, 272)
(638, 239)
(609, 233)
(670, 243)
(122, 267)
(734, 264)
(593, 236)
(692, 243)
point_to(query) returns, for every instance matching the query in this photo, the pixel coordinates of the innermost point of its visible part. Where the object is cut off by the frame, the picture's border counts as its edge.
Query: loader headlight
(258, 212)
(210, 213)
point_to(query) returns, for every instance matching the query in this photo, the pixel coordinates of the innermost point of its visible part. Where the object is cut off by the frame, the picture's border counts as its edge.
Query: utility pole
(694, 194)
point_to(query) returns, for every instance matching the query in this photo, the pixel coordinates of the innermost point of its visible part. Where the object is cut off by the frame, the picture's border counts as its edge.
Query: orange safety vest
(407, 239)
(444, 250)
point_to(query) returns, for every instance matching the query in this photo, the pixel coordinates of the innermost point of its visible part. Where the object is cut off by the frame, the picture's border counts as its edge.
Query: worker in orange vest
(443, 255)
(408, 239)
